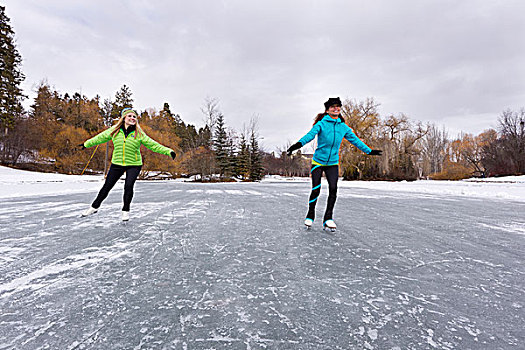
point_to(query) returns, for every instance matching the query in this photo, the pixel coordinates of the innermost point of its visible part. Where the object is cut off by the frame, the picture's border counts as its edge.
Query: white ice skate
(125, 215)
(308, 222)
(330, 225)
(89, 211)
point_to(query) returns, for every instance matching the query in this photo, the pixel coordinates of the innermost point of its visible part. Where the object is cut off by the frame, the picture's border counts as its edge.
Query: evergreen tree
(232, 158)
(123, 99)
(220, 147)
(204, 137)
(46, 104)
(106, 111)
(188, 136)
(10, 75)
(186, 133)
(256, 169)
(243, 158)
(81, 112)
(168, 114)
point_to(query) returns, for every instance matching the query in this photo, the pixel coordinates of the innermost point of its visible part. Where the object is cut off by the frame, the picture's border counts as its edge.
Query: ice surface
(424, 265)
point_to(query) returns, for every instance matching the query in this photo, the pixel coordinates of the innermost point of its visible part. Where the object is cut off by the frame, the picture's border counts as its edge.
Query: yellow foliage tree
(63, 149)
(161, 130)
(363, 118)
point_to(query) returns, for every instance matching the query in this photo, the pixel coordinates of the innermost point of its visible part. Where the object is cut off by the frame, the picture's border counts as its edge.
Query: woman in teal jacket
(127, 137)
(330, 129)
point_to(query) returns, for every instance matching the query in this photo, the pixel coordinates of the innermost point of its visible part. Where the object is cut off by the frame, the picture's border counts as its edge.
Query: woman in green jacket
(127, 136)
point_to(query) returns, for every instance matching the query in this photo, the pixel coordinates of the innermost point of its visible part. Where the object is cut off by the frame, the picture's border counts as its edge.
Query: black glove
(81, 147)
(376, 152)
(293, 147)
(173, 155)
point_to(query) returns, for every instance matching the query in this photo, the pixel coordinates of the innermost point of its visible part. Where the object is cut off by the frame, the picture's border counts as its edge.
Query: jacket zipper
(333, 141)
(124, 150)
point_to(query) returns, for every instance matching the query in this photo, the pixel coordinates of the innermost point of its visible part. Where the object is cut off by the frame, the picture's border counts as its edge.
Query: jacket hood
(327, 118)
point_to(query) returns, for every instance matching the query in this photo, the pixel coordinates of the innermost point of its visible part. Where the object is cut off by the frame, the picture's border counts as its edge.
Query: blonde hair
(118, 125)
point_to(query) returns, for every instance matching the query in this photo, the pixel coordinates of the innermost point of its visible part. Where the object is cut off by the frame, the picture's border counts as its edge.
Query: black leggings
(332, 175)
(114, 173)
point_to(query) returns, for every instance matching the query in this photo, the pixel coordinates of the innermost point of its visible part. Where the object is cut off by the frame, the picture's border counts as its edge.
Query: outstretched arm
(103, 137)
(305, 139)
(157, 147)
(311, 134)
(356, 141)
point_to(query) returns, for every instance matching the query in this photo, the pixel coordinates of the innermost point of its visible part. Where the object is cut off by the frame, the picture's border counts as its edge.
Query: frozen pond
(230, 266)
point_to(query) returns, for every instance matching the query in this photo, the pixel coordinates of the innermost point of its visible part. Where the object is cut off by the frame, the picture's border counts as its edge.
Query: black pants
(114, 173)
(332, 175)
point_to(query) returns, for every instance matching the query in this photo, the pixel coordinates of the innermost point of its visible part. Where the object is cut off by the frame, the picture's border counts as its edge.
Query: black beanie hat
(332, 101)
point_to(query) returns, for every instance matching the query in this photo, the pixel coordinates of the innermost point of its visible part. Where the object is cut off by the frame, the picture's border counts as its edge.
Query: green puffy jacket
(126, 150)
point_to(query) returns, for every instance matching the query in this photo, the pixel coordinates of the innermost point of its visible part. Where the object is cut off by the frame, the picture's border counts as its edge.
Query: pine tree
(243, 158)
(166, 112)
(123, 99)
(106, 111)
(204, 137)
(10, 75)
(232, 157)
(256, 169)
(220, 147)
(81, 112)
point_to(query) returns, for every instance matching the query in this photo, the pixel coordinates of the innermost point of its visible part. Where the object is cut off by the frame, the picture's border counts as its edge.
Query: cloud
(436, 61)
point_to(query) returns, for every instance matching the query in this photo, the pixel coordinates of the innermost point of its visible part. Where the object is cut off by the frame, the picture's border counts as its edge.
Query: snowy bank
(19, 183)
(22, 183)
(507, 188)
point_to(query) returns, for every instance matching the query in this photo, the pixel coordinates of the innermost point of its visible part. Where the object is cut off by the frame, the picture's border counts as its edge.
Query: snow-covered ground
(508, 187)
(18, 183)
(419, 265)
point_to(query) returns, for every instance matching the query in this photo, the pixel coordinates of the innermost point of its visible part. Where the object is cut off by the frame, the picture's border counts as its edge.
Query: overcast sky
(457, 64)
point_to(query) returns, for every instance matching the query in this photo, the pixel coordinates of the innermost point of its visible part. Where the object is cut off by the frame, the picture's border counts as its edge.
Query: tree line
(413, 150)
(47, 135)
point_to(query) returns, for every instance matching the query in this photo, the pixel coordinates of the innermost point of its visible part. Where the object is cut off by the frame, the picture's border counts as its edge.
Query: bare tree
(107, 116)
(512, 131)
(396, 126)
(295, 165)
(211, 111)
(434, 146)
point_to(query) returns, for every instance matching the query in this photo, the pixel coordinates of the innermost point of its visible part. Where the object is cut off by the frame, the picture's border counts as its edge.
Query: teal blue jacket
(330, 133)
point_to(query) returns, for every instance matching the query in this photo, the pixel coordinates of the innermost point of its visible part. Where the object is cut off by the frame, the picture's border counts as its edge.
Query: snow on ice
(18, 183)
(413, 265)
